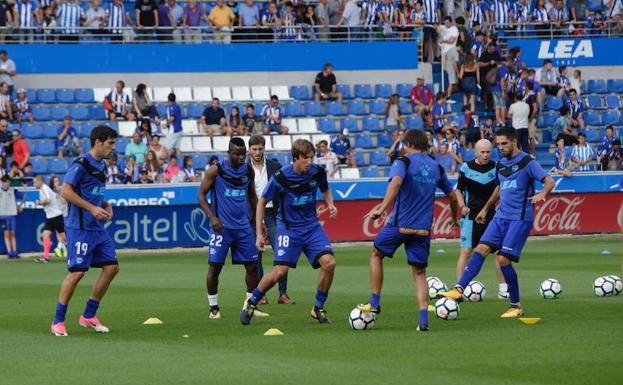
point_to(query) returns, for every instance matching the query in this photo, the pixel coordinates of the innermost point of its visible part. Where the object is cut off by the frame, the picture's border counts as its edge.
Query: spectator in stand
(118, 103)
(6, 18)
(606, 142)
(131, 169)
(582, 154)
(488, 62)
(386, 15)
(177, 14)
(445, 159)
(95, 17)
(270, 23)
(143, 176)
(69, 15)
(393, 116)
(21, 151)
(191, 20)
(308, 22)
(249, 19)
(174, 121)
(613, 9)
(576, 108)
(6, 107)
(578, 10)
(213, 118)
(7, 68)
(327, 159)
(160, 150)
(22, 107)
(448, 37)
(289, 32)
(433, 144)
(538, 90)
(452, 63)
(153, 167)
(562, 128)
(487, 131)
(519, 112)
(235, 123)
(397, 147)
(146, 18)
(563, 82)
(12, 205)
(116, 19)
(3, 164)
(432, 9)
(423, 98)
(25, 20)
(561, 165)
(531, 99)
(440, 117)
(142, 104)
(610, 160)
(67, 142)
(29, 176)
(402, 20)
(221, 18)
(136, 148)
(548, 78)
(471, 127)
(499, 89)
(470, 78)
(351, 18)
(145, 130)
(6, 139)
(342, 148)
(113, 175)
(172, 169)
(499, 14)
(249, 120)
(559, 17)
(322, 15)
(477, 45)
(16, 175)
(326, 85)
(576, 82)
(271, 116)
(465, 38)
(541, 19)
(475, 12)
(188, 170)
(164, 32)
(48, 24)
(521, 15)
(597, 24)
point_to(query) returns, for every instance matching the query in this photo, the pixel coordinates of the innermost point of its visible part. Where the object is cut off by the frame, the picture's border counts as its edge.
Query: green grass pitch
(578, 341)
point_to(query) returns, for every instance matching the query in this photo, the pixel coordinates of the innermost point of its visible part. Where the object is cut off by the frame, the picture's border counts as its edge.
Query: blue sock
(91, 308)
(256, 296)
(321, 297)
(424, 317)
(375, 300)
(510, 275)
(472, 269)
(61, 310)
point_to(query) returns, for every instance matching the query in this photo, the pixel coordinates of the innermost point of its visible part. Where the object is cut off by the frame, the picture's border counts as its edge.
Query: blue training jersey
(421, 175)
(230, 201)
(296, 194)
(87, 176)
(516, 177)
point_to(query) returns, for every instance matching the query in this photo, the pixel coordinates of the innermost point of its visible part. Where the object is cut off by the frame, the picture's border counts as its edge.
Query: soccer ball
(435, 286)
(604, 286)
(361, 320)
(474, 292)
(446, 309)
(550, 289)
(618, 284)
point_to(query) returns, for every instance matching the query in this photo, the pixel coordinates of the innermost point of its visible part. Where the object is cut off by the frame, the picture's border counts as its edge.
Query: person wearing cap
(326, 85)
(67, 142)
(22, 108)
(342, 148)
(143, 176)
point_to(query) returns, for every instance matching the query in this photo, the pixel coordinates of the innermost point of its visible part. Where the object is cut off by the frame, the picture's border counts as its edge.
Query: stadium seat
(57, 166)
(221, 143)
(335, 108)
(360, 158)
(300, 136)
(161, 94)
(281, 157)
(161, 108)
(594, 102)
(58, 112)
(39, 165)
(84, 130)
(370, 172)
(121, 145)
(377, 107)
(610, 117)
(356, 107)
(299, 93)
(414, 122)
(547, 136)
(363, 141)
(65, 95)
(100, 93)
(258, 106)
(613, 102)
(282, 142)
(345, 90)
(32, 131)
(260, 93)
(44, 147)
(183, 94)
(404, 107)
(46, 95)
(79, 112)
(40, 113)
(371, 124)
(615, 86)
(85, 145)
(50, 129)
(186, 145)
(31, 95)
(202, 144)
(382, 91)
(97, 112)
(363, 91)
(294, 109)
(350, 173)
(350, 124)
(383, 141)
(378, 158)
(307, 125)
(553, 103)
(469, 154)
(199, 161)
(404, 90)
(591, 118)
(595, 5)
(549, 118)
(241, 94)
(291, 124)
(195, 110)
(592, 135)
(202, 94)
(84, 95)
(282, 92)
(313, 109)
(318, 137)
(222, 93)
(126, 129)
(597, 86)
(190, 127)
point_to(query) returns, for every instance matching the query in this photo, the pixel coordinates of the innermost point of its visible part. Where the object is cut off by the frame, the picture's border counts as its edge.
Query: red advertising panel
(559, 214)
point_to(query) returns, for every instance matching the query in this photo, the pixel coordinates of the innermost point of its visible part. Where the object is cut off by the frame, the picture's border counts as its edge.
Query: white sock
(503, 288)
(213, 299)
(249, 296)
(60, 245)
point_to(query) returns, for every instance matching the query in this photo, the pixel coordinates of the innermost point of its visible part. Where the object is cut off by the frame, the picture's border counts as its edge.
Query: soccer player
(508, 231)
(475, 186)
(232, 187)
(414, 178)
(89, 243)
(298, 228)
(9, 208)
(53, 219)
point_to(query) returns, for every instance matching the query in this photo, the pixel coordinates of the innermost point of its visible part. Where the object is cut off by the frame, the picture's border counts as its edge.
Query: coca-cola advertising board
(559, 214)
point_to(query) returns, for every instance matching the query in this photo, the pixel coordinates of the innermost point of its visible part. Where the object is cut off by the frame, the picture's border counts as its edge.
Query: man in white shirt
(351, 18)
(448, 35)
(519, 112)
(95, 18)
(327, 159)
(53, 220)
(7, 70)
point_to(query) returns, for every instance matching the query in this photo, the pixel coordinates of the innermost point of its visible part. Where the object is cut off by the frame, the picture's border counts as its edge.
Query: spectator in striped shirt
(116, 19)
(476, 10)
(120, 103)
(69, 16)
(432, 9)
(606, 143)
(611, 159)
(558, 16)
(22, 107)
(270, 20)
(521, 14)
(440, 118)
(288, 18)
(25, 20)
(6, 107)
(582, 154)
(113, 175)
(271, 113)
(541, 18)
(576, 108)
(369, 17)
(561, 165)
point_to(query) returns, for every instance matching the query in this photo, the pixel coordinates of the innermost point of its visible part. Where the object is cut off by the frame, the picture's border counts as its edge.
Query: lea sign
(573, 52)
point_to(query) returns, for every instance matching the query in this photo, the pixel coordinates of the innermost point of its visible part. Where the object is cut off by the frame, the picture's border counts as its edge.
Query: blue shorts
(8, 223)
(507, 236)
(498, 100)
(87, 249)
(471, 232)
(290, 242)
(417, 247)
(274, 127)
(240, 241)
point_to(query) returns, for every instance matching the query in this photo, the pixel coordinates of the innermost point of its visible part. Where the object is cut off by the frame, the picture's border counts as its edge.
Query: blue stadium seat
(294, 109)
(553, 103)
(39, 165)
(46, 95)
(97, 112)
(371, 124)
(468, 154)
(414, 122)
(50, 130)
(597, 86)
(31, 95)
(360, 158)
(610, 117)
(44, 147)
(40, 113)
(313, 109)
(195, 110)
(58, 112)
(85, 95)
(547, 136)
(549, 118)
(404, 90)
(594, 102)
(595, 5)
(356, 107)
(350, 124)
(65, 95)
(57, 166)
(370, 172)
(327, 125)
(199, 161)
(258, 107)
(345, 90)
(32, 131)
(300, 93)
(79, 112)
(226, 106)
(377, 107)
(363, 141)
(615, 86)
(458, 120)
(379, 158)
(363, 91)
(404, 107)
(591, 118)
(335, 108)
(382, 91)
(121, 144)
(83, 130)
(281, 157)
(86, 145)
(613, 102)
(162, 108)
(383, 141)
(592, 135)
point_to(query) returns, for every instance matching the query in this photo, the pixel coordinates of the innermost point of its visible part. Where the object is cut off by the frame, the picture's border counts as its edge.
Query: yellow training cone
(530, 321)
(273, 332)
(153, 321)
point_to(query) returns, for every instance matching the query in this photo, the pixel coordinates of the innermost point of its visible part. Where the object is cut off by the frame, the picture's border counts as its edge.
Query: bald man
(475, 186)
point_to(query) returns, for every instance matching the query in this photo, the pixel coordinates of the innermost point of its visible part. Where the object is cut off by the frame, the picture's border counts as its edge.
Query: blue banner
(570, 52)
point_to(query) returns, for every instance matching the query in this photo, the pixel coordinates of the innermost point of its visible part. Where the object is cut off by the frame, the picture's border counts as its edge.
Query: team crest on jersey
(244, 178)
(515, 168)
(424, 170)
(281, 253)
(313, 183)
(491, 175)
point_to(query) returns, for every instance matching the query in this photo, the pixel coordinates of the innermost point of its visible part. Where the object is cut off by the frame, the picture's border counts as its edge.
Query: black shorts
(472, 231)
(430, 33)
(55, 224)
(551, 90)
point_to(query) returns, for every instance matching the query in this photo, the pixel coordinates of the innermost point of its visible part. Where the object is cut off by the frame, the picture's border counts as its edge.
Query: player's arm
(260, 231)
(328, 197)
(390, 196)
(107, 206)
(204, 187)
(68, 193)
(454, 200)
(482, 215)
(548, 186)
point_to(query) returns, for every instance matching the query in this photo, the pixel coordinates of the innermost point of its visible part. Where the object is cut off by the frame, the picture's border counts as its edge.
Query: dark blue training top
(230, 201)
(87, 176)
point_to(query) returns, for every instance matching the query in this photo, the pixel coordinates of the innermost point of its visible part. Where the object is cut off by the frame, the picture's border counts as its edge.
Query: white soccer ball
(604, 286)
(618, 284)
(475, 291)
(550, 288)
(361, 320)
(446, 309)
(435, 286)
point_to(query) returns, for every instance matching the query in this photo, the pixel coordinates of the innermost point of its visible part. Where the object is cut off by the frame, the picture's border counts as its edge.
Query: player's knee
(328, 262)
(75, 276)
(483, 250)
(502, 260)
(280, 271)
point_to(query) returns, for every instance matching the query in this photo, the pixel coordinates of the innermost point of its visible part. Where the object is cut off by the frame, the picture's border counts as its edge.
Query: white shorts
(174, 140)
